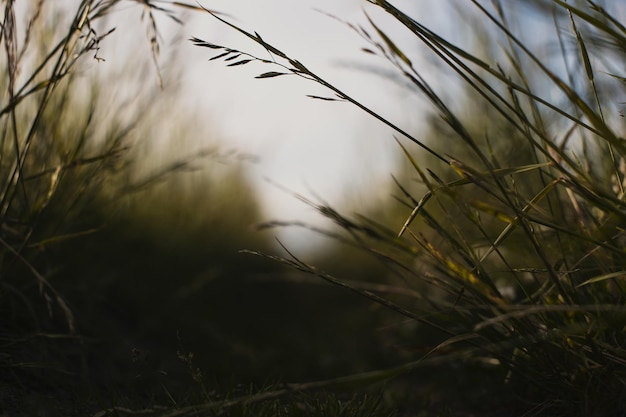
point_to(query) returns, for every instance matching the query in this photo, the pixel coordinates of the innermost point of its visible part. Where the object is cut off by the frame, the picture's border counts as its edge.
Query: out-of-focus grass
(121, 278)
(104, 235)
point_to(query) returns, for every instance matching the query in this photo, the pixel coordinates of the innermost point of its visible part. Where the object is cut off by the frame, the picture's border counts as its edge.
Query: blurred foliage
(121, 277)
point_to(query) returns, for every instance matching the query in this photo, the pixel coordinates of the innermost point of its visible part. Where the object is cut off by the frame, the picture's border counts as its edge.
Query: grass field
(137, 277)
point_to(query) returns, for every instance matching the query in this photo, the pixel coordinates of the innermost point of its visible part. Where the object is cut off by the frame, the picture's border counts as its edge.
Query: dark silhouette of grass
(495, 287)
(508, 264)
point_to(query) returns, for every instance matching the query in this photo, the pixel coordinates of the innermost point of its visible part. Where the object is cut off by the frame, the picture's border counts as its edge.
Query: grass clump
(79, 152)
(509, 262)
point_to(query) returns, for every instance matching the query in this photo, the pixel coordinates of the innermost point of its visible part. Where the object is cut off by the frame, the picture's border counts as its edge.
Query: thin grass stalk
(574, 98)
(462, 133)
(591, 78)
(299, 69)
(446, 52)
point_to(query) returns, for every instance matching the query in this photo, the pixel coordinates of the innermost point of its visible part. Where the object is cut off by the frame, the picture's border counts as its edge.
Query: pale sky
(316, 148)
(329, 149)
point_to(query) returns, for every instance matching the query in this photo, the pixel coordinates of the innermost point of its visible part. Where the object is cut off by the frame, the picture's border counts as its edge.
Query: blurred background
(332, 150)
(151, 170)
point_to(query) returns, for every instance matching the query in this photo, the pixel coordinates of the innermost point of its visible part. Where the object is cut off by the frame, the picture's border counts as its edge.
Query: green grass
(510, 257)
(491, 284)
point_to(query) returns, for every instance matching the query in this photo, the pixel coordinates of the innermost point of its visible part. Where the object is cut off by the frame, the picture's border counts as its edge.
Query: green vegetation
(121, 282)
(509, 265)
(492, 283)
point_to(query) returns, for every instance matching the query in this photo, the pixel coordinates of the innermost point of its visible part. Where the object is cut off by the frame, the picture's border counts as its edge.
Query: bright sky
(329, 150)
(316, 148)
(313, 147)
